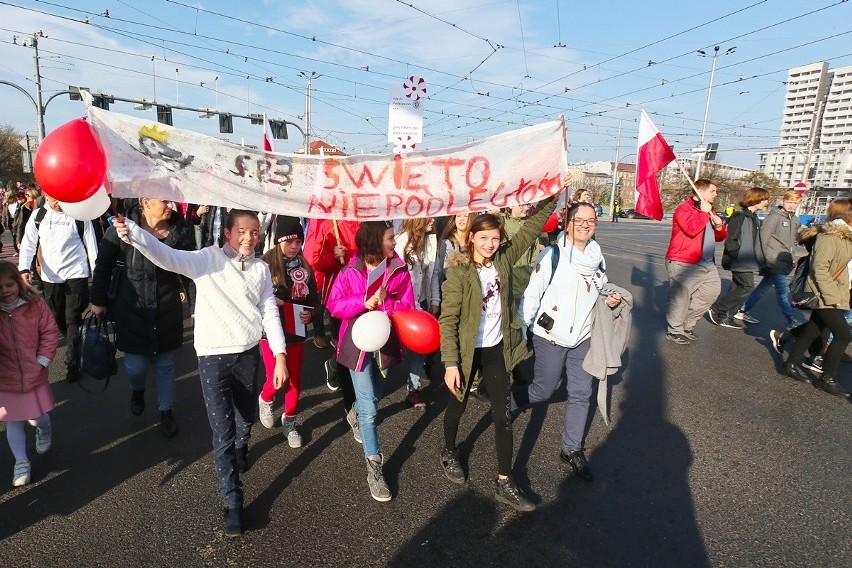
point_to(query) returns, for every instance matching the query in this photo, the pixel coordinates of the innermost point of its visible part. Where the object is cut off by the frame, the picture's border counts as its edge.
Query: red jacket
(26, 333)
(688, 225)
(320, 252)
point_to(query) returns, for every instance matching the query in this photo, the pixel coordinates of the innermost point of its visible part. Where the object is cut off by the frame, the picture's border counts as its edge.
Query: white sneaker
(265, 413)
(294, 439)
(44, 438)
(743, 316)
(21, 474)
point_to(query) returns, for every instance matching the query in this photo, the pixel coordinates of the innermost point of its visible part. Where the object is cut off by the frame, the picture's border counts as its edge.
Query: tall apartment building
(815, 146)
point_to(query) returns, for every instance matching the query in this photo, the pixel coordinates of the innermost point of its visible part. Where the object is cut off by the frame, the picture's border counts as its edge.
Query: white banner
(149, 159)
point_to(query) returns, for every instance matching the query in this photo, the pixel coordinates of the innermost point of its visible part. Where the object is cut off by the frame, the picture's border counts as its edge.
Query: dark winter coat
(147, 309)
(743, 250)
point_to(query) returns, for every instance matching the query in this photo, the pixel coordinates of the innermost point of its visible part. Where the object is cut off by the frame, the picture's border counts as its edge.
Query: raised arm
(188, 263)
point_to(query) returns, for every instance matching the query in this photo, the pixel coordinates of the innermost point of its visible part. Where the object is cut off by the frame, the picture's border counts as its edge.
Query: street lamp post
(715, 55)
(309, 77)
(616, 185)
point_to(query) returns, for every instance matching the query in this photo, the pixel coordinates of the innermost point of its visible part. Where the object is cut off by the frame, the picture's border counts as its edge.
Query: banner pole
(337, 237)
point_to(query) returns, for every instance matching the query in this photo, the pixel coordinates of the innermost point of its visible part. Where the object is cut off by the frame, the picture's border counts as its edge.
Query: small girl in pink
(28, 340)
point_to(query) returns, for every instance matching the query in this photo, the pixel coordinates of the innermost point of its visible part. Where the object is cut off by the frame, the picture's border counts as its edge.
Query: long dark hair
(484, 222)
(370, 241)
(450, 229)
(9, 270)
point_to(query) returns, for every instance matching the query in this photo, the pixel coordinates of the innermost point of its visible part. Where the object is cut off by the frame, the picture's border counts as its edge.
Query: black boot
(831, 386)
(451, 466)
(577, 460)
(234, 521)
(507, 492)
(168, 426)
(137, 402)
(794, 372)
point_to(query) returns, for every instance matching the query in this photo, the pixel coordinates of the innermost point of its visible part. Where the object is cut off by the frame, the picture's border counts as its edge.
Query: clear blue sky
(489, 66)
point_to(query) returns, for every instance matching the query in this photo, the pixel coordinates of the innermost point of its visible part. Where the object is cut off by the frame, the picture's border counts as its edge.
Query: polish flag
(653, 155)
(290, 319)
(268, 144)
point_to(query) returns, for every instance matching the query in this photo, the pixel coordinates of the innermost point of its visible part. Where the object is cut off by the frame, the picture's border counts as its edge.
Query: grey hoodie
(778, 234)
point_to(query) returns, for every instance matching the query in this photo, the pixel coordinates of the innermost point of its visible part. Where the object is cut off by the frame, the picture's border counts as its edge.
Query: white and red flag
(268, 144)
(653, 155)
(291, 320)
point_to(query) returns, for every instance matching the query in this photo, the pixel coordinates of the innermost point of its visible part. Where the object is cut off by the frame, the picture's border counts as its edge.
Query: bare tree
(11, 166)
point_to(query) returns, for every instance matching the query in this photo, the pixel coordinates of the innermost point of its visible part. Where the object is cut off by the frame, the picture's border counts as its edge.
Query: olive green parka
(461, 301)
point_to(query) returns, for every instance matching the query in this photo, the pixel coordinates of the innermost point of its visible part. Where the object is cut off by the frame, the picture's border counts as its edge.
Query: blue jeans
(782, 293)
(136, 367)
(229, 386)
(369, 385)
(416, 364)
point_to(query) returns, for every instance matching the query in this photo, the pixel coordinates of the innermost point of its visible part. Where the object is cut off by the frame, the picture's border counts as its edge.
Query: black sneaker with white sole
(332, 380)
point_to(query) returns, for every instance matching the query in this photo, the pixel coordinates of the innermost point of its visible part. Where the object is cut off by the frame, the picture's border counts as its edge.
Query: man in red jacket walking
(690, 262)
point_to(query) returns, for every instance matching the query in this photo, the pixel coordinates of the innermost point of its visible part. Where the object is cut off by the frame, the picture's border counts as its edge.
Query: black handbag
(95, 350)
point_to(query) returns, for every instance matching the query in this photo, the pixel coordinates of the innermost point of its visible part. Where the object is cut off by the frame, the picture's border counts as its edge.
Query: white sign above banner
(405, 114)
(148, 159)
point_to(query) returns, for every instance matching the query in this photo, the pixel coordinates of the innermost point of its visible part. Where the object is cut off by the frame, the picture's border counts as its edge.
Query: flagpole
(689, 179)
(615, 173)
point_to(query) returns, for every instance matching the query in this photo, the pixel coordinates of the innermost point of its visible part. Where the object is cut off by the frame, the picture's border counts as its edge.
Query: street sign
(800, 188)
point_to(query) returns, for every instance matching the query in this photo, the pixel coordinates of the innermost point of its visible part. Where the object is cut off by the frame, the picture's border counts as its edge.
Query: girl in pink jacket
(351, 297)
(28, 340)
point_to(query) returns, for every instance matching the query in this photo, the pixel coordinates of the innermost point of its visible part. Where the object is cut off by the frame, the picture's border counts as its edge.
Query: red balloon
(70, 164)
(418, 330)
(551, 224)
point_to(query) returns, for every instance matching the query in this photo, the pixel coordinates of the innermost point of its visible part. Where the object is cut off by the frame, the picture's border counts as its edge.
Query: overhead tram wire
(506, 100)
(499, 99)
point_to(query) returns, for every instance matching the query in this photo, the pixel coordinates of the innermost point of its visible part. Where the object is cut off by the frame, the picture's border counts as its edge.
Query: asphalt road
(711, 459)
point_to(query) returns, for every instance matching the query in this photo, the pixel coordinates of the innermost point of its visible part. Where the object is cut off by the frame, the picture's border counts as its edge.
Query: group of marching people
(820, 279)
(250, 310)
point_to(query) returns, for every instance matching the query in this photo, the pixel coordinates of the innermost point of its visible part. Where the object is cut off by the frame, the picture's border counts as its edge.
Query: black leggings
(832, 319)
(489, 362)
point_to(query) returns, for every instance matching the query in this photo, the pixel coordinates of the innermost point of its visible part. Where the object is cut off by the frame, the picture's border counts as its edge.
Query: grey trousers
(692, 290)
(550, 360)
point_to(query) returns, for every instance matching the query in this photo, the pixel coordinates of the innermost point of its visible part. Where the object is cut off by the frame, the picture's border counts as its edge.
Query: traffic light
(226, 124)
(279, 129)
(102, 101)
(164, 114)
(710, 154)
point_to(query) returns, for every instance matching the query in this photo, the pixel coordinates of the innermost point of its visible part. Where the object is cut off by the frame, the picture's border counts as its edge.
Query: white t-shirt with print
(490, 328)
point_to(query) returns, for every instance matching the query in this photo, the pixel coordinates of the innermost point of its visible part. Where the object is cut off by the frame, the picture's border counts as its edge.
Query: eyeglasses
(585, 222)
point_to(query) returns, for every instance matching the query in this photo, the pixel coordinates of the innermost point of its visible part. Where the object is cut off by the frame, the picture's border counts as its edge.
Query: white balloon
(371, 331)
(88, 209)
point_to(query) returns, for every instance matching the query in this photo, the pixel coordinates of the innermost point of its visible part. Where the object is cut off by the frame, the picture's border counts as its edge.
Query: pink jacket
(346, 302)
(26, 333)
